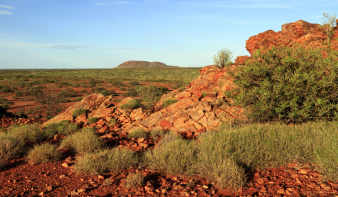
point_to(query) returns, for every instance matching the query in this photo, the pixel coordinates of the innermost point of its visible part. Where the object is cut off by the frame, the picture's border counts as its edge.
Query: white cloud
(7, 7)
(5, 12)
(105, 3)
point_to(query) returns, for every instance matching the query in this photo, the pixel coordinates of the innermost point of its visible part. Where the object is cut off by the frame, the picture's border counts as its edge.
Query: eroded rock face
(297, 32)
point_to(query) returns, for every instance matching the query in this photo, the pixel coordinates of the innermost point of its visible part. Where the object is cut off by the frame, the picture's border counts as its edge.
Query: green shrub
(123, 89)
(5, 89)
(223, 58)
(108, 92)
(68, 92)
(98, 89)
(134, 180)
(92, 83)
(44, 81)
(137, 133)
(130, 92)
(43, 153)
(76, 85)
(117, 83)
(106, 160)
(92, 120)
(134, 83)
(5, 103)
(78, 112)
(36, 91)
(288, 84)
(131, 104)
(82, 142)
(19, 93)
(83, 91)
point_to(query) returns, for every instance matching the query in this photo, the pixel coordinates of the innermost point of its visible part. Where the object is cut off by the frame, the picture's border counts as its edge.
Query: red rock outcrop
(297, 32)
(196, 109)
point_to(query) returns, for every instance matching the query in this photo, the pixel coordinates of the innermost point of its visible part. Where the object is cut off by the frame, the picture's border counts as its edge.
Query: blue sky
(105, 33)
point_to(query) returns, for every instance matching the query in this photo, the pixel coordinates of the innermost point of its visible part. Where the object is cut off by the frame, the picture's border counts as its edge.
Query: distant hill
(144, 64)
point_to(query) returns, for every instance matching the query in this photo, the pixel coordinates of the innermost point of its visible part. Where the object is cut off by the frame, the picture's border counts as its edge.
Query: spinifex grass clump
(168, 102)
(92, 120)
(134, 180)
(82, 142)
(156, 132)
(62, 127)
(106, 160)
(43, 153)
(10, 147)
(289, 84)
(131, 104)
(137, 133)
(176, 156)
(226, 156)
(112, 122)
(78, 112)
(29, 133)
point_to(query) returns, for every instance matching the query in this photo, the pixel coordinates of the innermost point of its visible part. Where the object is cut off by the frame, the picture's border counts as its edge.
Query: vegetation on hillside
(288, 84)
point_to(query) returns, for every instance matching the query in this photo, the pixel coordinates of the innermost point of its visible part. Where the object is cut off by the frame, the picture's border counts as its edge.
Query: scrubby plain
(48, 92)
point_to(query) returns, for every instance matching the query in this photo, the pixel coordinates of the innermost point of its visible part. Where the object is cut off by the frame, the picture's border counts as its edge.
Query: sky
(82, 34)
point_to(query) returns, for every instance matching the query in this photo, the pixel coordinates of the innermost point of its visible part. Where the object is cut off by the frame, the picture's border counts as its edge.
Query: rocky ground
(58, 179)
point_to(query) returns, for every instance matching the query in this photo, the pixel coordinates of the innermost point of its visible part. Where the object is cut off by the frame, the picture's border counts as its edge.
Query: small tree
(223, 58)
(327, 25)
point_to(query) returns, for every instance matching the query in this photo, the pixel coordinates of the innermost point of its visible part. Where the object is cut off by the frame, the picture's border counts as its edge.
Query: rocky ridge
(197, 108)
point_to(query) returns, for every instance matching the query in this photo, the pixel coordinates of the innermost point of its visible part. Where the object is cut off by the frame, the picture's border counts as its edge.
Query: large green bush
(288, 84)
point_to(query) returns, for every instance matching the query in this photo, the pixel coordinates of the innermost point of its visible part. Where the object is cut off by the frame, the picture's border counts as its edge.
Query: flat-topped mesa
(197, 108)
(143, 64)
